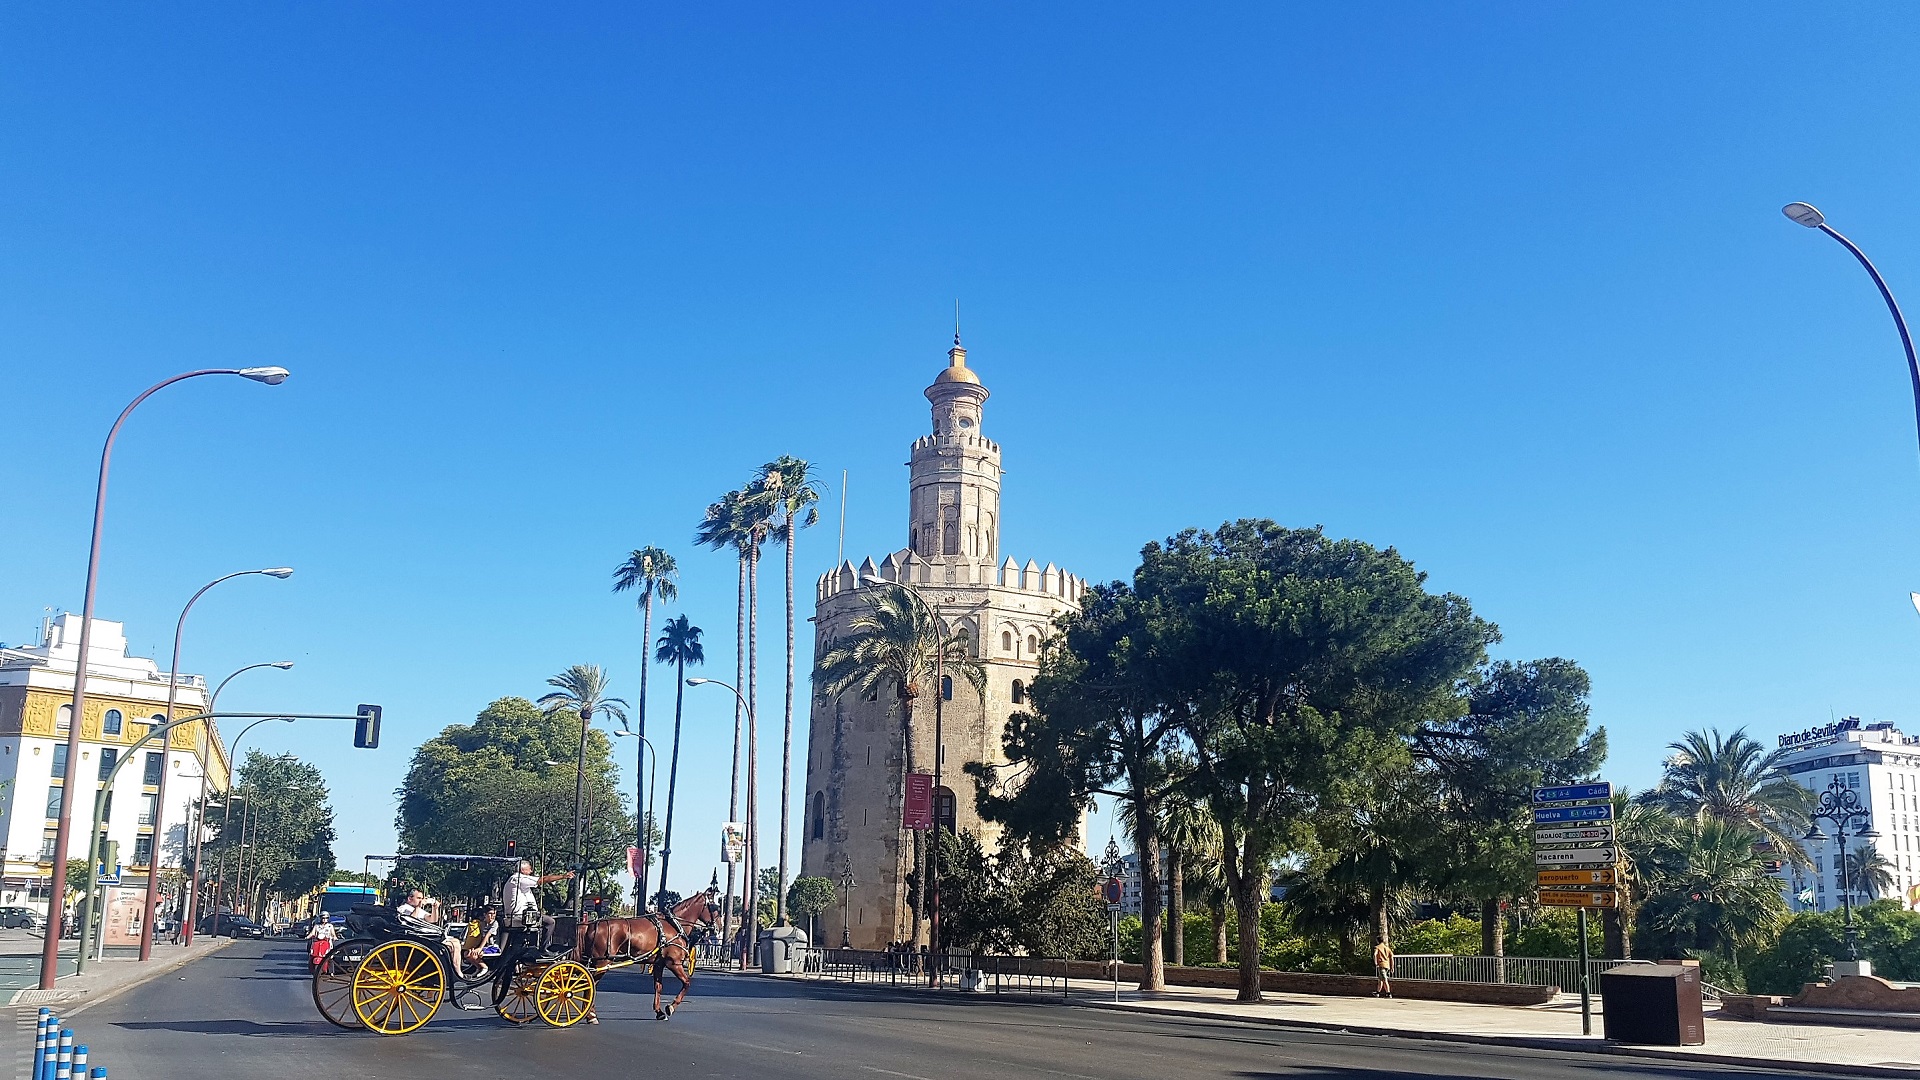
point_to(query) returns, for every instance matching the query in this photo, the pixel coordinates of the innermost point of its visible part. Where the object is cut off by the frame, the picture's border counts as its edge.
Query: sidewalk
(1825, 1049)
(104, 978)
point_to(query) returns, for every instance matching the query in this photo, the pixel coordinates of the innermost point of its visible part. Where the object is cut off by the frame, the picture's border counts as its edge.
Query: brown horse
(665, 938)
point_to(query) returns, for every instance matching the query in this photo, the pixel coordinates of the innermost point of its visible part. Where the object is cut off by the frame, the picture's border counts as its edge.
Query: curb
(1577, 1045)
(89, 998)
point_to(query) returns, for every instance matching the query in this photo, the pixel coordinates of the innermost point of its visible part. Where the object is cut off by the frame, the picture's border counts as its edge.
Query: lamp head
(1869, 833)
(281, 572)
(873, 579)
(1803, 214)
(281, 664)
(698, 682)
(272, 376)
(1815, 836)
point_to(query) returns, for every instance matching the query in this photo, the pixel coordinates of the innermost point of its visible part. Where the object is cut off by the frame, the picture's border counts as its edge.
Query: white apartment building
(1882, 766)
(126, 695)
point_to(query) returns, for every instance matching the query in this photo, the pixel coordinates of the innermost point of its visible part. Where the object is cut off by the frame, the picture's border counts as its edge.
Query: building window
(1033, 644)
(946, 688)
(109, 757)
(819, 815)
(142, 850)
(943, 809)
(111, 723)
(54, 798)
(913, 540)
(1019, 692)
(46, 848)
(156, 760)
(1006, 641)
(148, 804)
(59, 770)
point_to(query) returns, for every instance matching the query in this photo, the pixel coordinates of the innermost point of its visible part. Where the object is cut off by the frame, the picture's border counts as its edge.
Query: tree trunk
(1153, 963)
(579, 807)
(1349, 956)
(752, 886)
(673, 769)
(1220, 931)
(739, 678)
(1613, 935)
(1377, 905)
(1246, 901)
(640, 759)
(786, 737)
(1493, 928)
(1177, 903)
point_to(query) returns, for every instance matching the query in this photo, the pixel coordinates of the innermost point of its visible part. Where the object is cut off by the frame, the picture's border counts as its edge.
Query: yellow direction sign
(1576, 877)
(1570, 898)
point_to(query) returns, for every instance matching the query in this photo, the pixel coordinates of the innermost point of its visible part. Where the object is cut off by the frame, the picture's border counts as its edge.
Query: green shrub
(1456, 935)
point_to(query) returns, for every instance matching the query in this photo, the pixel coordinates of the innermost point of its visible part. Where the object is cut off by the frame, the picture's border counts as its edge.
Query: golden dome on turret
(956, 370)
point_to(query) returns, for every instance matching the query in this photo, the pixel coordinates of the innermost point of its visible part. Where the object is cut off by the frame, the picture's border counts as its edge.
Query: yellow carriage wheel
(517, 1004)
(565, 994)
(398, 987)
(333, 983)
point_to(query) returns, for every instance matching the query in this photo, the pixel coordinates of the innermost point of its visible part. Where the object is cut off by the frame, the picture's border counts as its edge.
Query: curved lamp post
(646, 845)
(160, 790)
(1842, 806)
(1803, 214)
(50, 953)
(750, 888)
(191, 906)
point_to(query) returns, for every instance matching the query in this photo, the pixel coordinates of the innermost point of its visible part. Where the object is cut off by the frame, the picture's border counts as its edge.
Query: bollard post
(99, 1074)
(63, 1065)
(49, 1049)
(40, 1043)
(79, 1063)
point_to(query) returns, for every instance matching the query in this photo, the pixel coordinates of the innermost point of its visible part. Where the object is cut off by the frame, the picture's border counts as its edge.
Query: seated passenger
(419, 905)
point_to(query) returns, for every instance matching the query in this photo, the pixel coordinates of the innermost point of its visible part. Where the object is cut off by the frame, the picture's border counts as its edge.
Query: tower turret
(954, 473)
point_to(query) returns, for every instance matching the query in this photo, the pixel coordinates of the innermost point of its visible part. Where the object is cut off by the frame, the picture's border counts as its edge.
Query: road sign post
(1576, 852)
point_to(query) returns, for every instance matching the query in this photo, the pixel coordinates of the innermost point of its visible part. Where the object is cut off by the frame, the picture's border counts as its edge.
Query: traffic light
(366, 730)
(109, 857)
(511, 847)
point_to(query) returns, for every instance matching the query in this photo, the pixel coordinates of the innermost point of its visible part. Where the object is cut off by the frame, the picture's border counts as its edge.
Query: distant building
(1130, 883)
(126, 695)
(1882, 766)
(857, 752)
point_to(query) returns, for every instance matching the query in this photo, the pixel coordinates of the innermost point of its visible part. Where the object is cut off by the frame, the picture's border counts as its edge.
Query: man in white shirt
(522, 891)
(420, 906)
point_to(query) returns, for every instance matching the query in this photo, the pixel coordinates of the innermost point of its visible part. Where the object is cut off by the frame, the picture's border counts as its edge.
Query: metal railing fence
(995, 973)
(1514, 970)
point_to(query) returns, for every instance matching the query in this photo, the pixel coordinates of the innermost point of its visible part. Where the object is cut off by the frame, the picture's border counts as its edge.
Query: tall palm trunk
(753, 748)
(1220, 929)
(673, 767)
(908, 860)
(739, 678)
(786, 737)
(640, 762)
(1177, 903)
(579, 807)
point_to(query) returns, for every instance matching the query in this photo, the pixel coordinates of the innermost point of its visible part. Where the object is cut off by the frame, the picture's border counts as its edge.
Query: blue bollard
(79, 1063)
(63, 1065)
(100, 1074)
(52, 1048)
(40, 1043)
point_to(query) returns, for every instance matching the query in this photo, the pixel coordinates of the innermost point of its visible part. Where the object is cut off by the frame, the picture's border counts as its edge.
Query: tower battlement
(904, 566)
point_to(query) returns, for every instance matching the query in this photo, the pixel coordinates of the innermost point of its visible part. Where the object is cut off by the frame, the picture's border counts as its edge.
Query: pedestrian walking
(1383, 969)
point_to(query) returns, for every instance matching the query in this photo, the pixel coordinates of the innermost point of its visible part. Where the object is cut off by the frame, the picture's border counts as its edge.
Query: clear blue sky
(1504, 286)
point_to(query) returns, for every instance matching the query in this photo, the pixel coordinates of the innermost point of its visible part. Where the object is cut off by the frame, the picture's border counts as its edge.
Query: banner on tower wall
(733, 842)
(918, 812)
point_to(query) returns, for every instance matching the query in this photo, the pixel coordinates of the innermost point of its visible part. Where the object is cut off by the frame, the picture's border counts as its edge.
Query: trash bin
(780, 948)
(1652, 1005)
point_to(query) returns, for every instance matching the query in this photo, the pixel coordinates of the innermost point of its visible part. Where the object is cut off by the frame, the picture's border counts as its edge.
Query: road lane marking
(890, 1072)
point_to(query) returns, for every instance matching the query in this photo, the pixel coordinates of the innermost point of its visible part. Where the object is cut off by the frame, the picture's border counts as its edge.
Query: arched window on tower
(1006, 641)
(944, 809)
(63, 718)
(946, 688)
(1033, 645)
(1019, 692)
(111, 724)
(819, 815)
(913, 540)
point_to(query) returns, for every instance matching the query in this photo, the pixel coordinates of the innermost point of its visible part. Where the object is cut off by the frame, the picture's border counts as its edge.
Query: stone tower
(856, 760)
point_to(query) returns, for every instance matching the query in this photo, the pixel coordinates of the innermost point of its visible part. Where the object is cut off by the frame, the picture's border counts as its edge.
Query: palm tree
(1709, 889)
(1869, 872)
(650, 572)
(679, 646)
(791, 495)
(1190, 834)
(721, 527)
(582, 690)
(1736, 781)
(893, 645)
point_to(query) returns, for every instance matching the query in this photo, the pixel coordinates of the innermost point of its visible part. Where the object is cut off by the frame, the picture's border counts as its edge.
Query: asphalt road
(245, 1013)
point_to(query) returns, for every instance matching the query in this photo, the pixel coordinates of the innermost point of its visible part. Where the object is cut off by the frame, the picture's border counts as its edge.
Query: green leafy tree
(581, 691)
(1708, 891)
(679, 646)
(1525, 725)
(648, 572)
(1293, 660)
(807, 897)
(1889, 935)
(1734, 780)
(286, 828)
(1043, 902)
(791, 495)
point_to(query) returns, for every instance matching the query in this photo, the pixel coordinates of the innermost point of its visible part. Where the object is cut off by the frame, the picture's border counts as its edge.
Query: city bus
(338, 898)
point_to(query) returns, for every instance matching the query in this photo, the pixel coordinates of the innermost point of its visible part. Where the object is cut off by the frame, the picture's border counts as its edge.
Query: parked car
(19, 917)
(233, 926)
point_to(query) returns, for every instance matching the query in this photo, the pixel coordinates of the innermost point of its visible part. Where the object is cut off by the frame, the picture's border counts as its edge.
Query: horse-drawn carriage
(390, 973)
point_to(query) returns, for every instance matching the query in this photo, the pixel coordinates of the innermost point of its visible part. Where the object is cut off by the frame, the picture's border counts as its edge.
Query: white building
(1882, 766)
(126, 695)
(1130, 883)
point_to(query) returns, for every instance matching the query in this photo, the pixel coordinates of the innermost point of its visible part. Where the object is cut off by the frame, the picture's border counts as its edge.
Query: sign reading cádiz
(1574, 845)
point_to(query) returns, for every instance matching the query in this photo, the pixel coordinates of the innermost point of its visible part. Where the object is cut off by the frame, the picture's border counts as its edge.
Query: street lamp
(847, 885)
(191, 906)
(1841, 805)
(646, 845)
(944, 630)
(750, 888)
(160, 790)
(50, 953)
(1803, 214)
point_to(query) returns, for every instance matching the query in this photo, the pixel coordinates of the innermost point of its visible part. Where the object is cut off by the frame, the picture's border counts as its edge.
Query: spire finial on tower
(956, 320)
